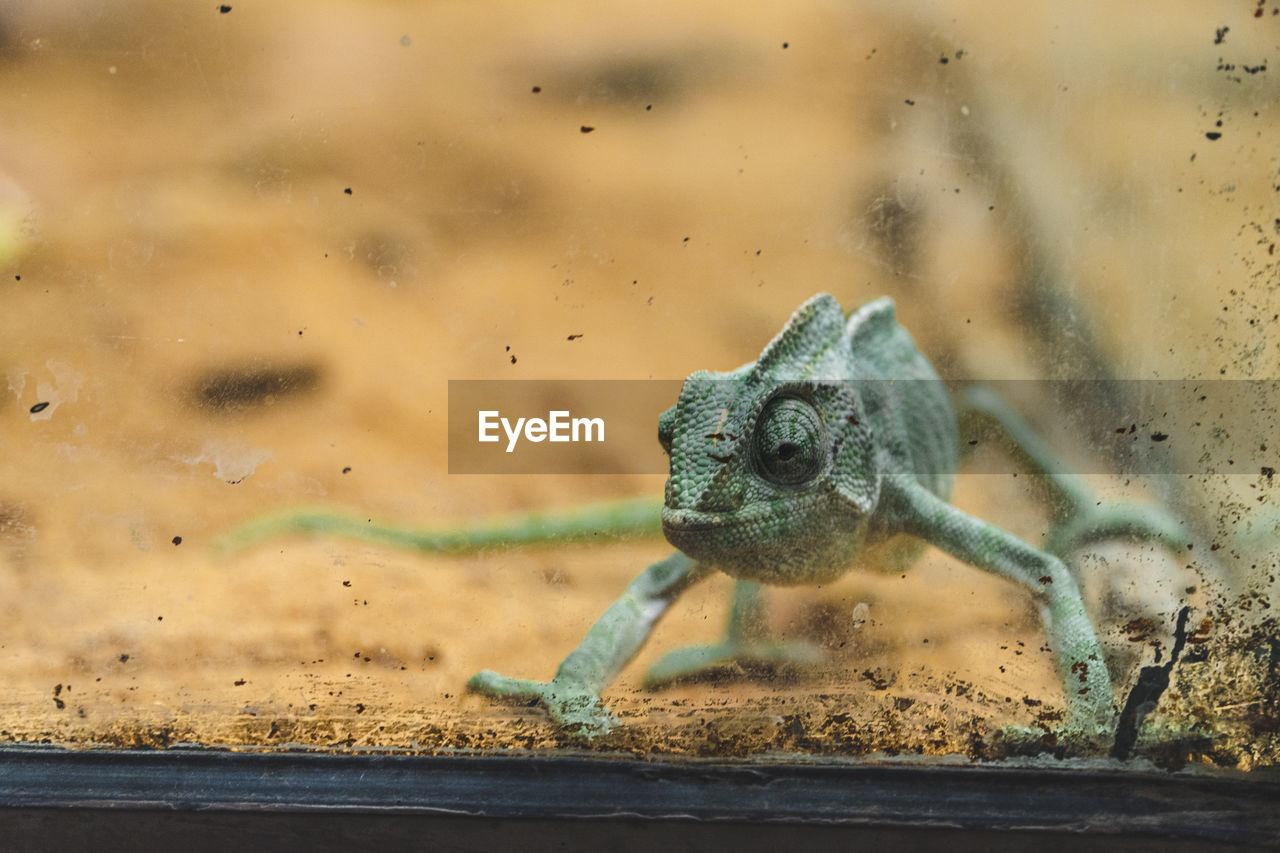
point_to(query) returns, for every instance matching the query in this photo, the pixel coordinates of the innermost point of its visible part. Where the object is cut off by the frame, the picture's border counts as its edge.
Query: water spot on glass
(233, 460)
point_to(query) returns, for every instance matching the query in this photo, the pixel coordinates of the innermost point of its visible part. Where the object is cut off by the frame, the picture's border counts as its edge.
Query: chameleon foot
(734, 658)
(575, 708)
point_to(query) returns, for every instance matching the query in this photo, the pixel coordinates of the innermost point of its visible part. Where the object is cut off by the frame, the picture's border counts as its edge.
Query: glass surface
(244, 248)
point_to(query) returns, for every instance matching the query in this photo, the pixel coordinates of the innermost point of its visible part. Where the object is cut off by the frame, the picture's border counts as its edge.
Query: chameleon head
(771, 476)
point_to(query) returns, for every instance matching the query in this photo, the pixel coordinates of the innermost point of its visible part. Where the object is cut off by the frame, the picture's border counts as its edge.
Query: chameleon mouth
(694, 521)
(760, 543)
(686, 521)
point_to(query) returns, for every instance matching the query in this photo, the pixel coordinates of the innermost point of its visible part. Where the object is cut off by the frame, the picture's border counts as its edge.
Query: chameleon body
(839, 437)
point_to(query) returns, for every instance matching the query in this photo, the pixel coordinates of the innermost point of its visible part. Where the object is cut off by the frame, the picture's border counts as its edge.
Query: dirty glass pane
(253, 257)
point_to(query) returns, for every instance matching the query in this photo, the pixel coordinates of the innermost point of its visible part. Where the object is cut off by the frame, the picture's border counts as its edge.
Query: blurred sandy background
(242, 250)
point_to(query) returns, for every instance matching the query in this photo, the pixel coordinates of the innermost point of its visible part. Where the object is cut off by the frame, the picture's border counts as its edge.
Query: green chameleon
(838, 438)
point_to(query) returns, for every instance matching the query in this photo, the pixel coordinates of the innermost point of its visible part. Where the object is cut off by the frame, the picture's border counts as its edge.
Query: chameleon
(839, 440)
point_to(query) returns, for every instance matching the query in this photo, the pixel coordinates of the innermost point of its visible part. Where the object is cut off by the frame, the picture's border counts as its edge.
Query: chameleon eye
(788, 442)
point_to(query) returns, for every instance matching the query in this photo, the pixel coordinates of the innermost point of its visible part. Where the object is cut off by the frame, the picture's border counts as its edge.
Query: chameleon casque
(839, 438)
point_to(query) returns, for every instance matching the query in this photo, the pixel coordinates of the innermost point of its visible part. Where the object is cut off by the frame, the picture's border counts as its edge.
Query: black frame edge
(1230, 810)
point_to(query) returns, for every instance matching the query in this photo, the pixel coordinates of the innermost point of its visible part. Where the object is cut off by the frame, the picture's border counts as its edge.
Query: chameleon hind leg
(745, 649)
(1083, 519)
(572, 696)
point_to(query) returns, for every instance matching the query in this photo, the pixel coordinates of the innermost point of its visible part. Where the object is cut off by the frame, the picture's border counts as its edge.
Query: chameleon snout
(695, 532)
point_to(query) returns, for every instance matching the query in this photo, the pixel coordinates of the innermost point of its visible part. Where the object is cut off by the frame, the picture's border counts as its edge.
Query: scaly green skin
(838, 437)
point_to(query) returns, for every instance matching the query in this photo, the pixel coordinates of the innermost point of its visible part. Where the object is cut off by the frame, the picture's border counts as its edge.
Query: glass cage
(344, 354)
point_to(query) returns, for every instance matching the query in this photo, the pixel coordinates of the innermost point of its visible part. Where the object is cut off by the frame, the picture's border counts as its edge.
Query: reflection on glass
(244, 251)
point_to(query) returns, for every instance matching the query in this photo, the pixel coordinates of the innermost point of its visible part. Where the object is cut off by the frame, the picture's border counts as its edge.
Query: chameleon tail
(596, 522)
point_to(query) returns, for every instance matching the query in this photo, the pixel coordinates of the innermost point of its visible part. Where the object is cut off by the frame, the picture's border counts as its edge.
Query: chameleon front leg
(1083, 521)
(572, 697)
(1079, 658)
(745, 646)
